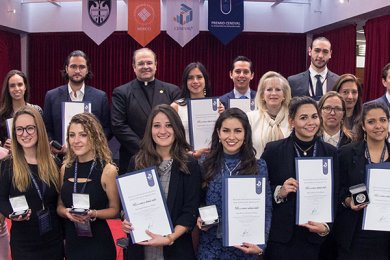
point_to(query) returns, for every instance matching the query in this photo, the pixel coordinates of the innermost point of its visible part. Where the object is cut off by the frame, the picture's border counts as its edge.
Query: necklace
(231, 171)
(164, 167)
(302, 150)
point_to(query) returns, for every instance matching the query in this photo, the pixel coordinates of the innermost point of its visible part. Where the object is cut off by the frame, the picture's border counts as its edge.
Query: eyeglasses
(329, 110)
(75, 67)
(30, 129)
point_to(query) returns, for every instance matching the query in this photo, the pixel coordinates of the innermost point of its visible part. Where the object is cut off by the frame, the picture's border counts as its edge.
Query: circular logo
(144, 14)
(360, 198)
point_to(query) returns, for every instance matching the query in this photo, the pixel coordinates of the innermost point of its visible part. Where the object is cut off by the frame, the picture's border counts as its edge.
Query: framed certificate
(315, 192)
(144, 204)
(202, 114)
(69, 109)
(243, 210)
(244, 104)
(376, 215)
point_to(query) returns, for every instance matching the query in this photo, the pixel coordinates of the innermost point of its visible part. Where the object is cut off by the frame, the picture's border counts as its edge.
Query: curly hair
(96, 137)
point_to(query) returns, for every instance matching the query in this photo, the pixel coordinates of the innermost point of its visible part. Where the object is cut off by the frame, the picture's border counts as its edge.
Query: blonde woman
(90, 171)
(31, 172)
(270, 121)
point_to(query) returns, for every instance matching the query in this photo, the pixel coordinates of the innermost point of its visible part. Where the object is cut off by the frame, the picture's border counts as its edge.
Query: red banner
(144, 22)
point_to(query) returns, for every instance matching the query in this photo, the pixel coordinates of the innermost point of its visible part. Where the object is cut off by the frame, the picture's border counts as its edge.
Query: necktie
(243, 97)
(319, 92)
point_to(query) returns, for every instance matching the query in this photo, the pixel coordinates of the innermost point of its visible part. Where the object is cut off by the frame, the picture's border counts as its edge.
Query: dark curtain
(111, 61)
(10, 52)
(343, 42)
(377, 33)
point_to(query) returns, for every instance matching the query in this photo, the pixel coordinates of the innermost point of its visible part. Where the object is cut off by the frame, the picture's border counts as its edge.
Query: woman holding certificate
(288, 240)
(195, 84)
(14, 95)
(232, 154)
(333, 131)
(164, 146)
(89, 193)
(29, 185)
(270, 121)
(372, 147)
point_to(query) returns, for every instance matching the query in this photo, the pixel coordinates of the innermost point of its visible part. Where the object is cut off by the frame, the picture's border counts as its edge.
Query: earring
(204, 91)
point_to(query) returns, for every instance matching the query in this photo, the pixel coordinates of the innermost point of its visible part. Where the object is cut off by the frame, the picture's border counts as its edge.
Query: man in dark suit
(133, 102)
(385, 99)
(317, 80)
(241, 73)
(77, 69)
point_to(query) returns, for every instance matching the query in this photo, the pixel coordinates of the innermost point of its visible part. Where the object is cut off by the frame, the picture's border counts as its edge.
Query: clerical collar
(146, 83)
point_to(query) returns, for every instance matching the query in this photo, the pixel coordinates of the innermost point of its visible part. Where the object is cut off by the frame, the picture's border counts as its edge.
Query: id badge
(83, 229)
(44, 221)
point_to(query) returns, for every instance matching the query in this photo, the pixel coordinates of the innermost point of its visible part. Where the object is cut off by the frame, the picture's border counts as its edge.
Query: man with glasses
(133, 102)
(318, 79)
(77, 70)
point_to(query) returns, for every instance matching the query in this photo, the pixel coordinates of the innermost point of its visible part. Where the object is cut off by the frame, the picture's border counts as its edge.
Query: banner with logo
(226, 19)
(99, 19)
(182, 20)
(144, 22)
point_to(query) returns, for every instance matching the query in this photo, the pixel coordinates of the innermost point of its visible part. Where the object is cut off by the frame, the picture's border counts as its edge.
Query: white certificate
(377, 214)
(143, 204)
(245, 104)
(315, 192)
(243, 210)
(9, 122)
(69, 109)
(202, 114)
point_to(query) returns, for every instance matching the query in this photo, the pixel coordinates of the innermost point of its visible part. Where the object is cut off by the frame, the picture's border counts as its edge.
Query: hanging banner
(182, 20)
(99, 19)
(144, 22)
(226, 19)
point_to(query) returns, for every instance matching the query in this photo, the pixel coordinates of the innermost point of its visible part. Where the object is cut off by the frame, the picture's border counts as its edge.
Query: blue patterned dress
(210, 244)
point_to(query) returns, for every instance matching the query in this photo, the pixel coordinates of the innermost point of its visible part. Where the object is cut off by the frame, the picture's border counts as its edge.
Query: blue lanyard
(75, 177)
(382, 155)
(314, 151)
(40, 194)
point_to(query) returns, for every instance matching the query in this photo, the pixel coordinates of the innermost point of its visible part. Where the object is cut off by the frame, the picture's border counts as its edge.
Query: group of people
(312, 114)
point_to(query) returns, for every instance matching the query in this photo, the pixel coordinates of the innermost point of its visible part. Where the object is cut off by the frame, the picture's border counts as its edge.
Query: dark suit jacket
(230, 95)
(52, 109)
(280, 159)
(382, 100)
(299, 83)
(183, 203)
(352, 168)
(130, 112)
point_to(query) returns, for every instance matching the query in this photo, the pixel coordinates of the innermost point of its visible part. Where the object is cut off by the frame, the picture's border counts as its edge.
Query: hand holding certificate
(315, 193)
(243, 210)
(144, 205)
(377, 214)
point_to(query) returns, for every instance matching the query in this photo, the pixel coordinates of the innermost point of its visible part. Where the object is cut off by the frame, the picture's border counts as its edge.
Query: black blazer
(130, 112)
(299, 83)
(52, 109)
(183, 203)
(230, 95)
(352, 167)
(280, 158)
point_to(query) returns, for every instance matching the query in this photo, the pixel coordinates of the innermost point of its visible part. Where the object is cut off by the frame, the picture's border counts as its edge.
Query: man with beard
(317, 80)
(77, 69)
(133, 102)
(241, 73)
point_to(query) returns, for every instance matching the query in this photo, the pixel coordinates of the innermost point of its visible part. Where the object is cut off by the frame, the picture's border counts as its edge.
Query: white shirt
(238, 94)
(331, 139)
(313, 79)
(79, 93)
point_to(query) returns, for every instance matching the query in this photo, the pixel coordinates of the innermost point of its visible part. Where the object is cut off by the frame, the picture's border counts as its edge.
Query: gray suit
(300, 83)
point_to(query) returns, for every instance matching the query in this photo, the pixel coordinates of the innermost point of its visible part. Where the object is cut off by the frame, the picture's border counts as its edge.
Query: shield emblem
(99, 11)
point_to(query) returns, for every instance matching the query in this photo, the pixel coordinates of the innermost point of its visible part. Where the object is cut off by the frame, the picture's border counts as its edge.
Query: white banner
(99, 19)
(182, 20)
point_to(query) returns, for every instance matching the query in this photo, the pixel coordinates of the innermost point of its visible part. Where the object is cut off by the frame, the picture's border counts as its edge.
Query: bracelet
(171, 241)
(93, 219)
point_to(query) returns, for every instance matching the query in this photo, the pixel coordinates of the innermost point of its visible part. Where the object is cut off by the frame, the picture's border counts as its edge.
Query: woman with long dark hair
(232, 153)
(164, 146)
